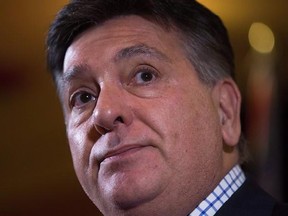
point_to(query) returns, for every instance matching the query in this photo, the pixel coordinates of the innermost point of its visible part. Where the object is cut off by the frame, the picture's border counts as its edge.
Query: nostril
(119, 119)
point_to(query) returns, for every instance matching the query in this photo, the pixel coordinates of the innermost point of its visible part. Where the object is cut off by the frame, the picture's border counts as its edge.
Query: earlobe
(229, 111)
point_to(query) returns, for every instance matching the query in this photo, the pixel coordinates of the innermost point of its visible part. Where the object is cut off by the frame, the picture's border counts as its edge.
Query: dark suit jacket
(251, 200)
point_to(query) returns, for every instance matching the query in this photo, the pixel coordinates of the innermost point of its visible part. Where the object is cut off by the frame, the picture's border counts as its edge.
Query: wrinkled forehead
(130, 34)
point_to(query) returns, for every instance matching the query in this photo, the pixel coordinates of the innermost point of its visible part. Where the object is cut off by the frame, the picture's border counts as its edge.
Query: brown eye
(80, 99)
(144, 76)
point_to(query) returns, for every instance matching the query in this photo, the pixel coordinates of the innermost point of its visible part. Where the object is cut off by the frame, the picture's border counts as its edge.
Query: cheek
(76, 142)
(80, 146)
(81, 136)
(203, 140)
(199, 144)
(192, 127)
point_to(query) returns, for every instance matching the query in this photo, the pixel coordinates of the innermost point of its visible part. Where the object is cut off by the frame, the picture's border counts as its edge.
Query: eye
(81, 99)
(145, 76)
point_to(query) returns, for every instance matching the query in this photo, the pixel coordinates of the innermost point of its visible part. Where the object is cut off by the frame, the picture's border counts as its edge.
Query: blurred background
(36, 173)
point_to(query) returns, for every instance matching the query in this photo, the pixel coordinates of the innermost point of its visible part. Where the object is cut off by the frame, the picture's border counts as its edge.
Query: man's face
(144, 132)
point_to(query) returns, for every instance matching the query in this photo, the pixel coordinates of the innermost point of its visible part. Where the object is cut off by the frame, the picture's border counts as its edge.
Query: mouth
(122, 153)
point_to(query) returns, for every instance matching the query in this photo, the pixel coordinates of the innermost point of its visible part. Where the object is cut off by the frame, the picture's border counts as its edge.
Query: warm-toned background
(36, 174)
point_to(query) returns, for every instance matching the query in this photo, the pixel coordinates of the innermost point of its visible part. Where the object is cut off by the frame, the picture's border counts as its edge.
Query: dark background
(36, 173)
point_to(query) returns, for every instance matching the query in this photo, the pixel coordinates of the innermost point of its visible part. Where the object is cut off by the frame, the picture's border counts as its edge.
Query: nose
(111, 110)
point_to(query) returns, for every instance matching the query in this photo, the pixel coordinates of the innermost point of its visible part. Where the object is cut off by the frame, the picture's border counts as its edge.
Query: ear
(228, 102)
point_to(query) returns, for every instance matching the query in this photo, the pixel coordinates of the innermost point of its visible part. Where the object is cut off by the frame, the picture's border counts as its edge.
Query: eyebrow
(138, 50)
(75, 73)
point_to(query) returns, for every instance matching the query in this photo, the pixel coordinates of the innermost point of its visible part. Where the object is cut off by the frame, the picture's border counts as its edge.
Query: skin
(147, 136)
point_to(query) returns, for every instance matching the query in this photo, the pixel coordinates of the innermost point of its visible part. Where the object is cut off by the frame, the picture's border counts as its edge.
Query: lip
(122, 152)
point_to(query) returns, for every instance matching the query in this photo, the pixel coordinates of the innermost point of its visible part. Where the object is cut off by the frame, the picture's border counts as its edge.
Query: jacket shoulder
(280, 209)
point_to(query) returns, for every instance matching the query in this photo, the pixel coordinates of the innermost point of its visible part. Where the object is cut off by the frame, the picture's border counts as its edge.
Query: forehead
(122, 32)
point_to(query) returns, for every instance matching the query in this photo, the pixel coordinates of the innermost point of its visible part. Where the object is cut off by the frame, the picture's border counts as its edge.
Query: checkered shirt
(224, 190)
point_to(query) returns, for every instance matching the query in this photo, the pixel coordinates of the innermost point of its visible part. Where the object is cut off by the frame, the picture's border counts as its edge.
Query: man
(151, 108)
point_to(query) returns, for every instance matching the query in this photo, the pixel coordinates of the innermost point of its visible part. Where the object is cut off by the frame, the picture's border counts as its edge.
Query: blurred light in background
(261, 38)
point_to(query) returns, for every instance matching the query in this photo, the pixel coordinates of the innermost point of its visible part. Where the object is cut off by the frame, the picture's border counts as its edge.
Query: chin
(128, 192)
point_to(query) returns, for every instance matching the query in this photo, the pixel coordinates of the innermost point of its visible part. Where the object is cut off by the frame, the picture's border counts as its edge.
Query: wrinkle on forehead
(140, 49)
